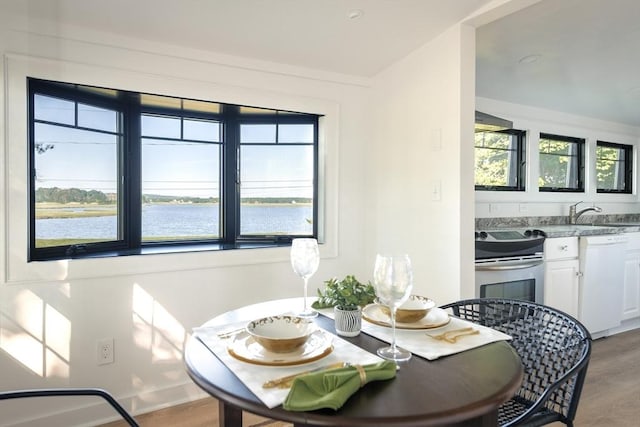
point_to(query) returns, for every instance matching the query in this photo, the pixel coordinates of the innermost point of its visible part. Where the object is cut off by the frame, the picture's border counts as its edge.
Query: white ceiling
(589, 53)
(588, 64)
(315, 34)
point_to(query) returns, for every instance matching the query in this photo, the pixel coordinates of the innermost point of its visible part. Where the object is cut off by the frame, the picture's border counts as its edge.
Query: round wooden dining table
(463, 389)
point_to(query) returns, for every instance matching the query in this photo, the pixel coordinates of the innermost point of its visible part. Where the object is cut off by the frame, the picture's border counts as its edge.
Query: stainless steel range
(510, 264)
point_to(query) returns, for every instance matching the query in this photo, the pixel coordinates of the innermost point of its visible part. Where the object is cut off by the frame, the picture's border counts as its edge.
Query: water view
(178, 220)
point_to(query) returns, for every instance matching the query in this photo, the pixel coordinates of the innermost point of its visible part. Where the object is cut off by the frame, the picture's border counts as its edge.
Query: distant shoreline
(52, 210)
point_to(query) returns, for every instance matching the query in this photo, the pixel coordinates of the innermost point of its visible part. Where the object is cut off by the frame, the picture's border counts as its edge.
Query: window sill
(155, 260)
(179, 249)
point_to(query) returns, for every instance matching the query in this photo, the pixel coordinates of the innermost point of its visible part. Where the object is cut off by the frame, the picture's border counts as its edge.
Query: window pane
(76, 186)
(254, 110)
(200, 106)
(258, 133)
(561, 163)
(160, 126)
(295, 133)
(97, 118)
(54, 110)
(201, 130)
(180, 190)
(111, 93)
(612, 167)
(277, 190)
(497, 160)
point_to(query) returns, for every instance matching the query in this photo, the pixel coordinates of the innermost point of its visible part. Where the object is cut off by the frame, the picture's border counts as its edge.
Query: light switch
(436, 190)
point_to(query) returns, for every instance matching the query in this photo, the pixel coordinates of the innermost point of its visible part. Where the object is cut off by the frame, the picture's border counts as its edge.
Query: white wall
(492, 204)
(421, 194)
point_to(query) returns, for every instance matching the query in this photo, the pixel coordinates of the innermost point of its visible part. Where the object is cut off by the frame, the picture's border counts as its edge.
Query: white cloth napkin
(253, 376)
(418, 342)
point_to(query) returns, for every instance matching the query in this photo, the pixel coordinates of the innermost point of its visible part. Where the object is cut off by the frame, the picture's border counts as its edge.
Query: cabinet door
(561, 285)
(631, 302)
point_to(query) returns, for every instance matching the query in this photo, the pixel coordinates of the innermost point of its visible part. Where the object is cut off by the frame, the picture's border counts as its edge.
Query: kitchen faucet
(573, 215)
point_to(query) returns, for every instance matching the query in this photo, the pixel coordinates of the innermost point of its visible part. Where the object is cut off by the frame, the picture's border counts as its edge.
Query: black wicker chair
(555, 349)
(20, 394)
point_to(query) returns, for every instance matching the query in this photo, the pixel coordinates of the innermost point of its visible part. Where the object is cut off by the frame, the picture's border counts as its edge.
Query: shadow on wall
(38, 336)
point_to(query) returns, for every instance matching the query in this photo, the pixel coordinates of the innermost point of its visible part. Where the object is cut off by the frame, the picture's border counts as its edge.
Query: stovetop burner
(501, 235)
(508, 243)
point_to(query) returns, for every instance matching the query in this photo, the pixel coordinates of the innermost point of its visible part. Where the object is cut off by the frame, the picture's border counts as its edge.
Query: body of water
(183, 220)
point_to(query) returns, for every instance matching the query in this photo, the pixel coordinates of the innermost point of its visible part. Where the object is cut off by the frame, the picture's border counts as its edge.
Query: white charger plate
(244, 347)
(435, 318)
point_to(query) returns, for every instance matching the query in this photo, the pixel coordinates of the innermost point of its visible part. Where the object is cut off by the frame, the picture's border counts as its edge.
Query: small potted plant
(347, 297)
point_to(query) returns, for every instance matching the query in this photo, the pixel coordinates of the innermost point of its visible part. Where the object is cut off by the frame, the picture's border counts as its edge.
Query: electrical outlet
(105, 351)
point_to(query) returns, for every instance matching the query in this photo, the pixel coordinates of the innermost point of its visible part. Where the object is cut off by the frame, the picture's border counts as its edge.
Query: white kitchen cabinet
(631, 302)
(562, 274)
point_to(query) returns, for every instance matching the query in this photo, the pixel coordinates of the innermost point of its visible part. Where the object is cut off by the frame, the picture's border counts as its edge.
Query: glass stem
(306, 281)
(393, 329)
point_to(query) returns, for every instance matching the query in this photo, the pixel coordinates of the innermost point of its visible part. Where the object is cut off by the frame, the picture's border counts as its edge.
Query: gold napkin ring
(363, 374)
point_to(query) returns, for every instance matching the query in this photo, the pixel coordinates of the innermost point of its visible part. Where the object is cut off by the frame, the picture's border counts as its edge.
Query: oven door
(514, 278)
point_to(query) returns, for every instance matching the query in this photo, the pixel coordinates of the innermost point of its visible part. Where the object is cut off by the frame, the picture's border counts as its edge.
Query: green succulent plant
(348, 294)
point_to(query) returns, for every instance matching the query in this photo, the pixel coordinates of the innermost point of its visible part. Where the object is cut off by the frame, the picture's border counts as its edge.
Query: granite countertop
(557, 227)
(569, 230)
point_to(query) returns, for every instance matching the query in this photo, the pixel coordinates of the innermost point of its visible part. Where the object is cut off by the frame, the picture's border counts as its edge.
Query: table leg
(229, 416)
(486, 420)
(490, 419)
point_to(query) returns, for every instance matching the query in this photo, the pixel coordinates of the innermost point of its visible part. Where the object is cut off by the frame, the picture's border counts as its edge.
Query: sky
(87, 159)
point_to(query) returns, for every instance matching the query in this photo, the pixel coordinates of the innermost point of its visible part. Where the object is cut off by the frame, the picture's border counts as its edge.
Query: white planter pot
(348, 322)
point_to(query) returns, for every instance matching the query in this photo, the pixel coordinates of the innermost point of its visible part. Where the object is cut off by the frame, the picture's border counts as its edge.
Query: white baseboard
(626, 325)
(96, 411)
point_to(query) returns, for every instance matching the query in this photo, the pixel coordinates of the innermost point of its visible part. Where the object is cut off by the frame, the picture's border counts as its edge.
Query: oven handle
(503, 267)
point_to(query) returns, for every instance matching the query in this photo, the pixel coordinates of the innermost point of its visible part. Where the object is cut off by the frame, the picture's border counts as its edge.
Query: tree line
(76, 195)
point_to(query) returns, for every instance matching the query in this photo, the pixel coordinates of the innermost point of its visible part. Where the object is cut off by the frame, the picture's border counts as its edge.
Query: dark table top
(452, 390)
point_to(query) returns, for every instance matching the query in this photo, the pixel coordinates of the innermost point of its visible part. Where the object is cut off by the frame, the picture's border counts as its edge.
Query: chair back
(554, 347)
(51, 392)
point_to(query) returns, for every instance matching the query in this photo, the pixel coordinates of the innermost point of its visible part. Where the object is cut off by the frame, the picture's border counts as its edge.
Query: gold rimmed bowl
(412, 310)
(281, 334)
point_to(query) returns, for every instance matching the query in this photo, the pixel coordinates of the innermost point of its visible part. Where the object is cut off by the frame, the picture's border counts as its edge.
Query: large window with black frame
(116, 172)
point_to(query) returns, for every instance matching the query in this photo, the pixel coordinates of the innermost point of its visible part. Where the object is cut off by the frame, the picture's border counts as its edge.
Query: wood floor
(611, 395)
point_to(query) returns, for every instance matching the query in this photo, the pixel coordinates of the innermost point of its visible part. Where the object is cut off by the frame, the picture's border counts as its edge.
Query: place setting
(288, 359)
(412, 323)
(270, 353)
(417, 312)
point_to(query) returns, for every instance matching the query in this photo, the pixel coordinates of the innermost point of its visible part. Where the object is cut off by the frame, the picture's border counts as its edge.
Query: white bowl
(412, 310)
(281, 334)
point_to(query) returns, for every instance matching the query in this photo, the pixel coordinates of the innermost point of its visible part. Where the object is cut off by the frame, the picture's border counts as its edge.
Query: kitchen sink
(571, 227)
(579, 229)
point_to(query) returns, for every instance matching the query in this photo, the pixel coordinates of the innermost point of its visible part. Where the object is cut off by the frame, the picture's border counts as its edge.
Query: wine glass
(305, 258)
(393, 281)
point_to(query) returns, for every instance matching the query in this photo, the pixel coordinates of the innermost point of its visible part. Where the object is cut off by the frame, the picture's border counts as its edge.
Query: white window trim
(17, 270)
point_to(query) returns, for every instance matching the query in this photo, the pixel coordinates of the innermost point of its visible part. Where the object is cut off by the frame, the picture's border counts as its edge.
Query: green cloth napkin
(331, 389)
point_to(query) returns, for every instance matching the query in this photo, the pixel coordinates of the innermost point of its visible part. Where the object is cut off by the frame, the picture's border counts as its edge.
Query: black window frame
(580, 144)
(520, 165)
(628, 167)
(129, 105)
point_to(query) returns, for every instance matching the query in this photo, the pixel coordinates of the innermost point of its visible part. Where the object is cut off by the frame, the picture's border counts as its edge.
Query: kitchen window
(117, 173)
(613, 167)
(561, 163)
(500, 160)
